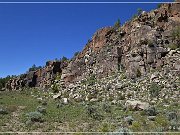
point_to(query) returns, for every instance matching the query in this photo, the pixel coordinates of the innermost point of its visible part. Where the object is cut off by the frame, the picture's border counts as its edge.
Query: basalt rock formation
(138, 47)
(42, 77)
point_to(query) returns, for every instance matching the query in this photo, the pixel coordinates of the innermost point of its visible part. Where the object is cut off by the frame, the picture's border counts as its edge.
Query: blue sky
(35, 33)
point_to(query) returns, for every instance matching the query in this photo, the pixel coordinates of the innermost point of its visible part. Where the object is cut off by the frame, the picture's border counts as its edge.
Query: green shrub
(41, 109)
(176, 33)
(44, 103)
(55, 88)
(138, 73)
(123, 76)
(162, 121)
(104, 127)
(121, 96)
(106, 107)
(139, 11)
(117, 25)
(76, 53)
(92, 80)
(159, 5)
(137, 126)
(129, 120)
(34, 68)
(176, 38)
(173, 46)
(3, 81)
(92, 111)
(172, 116)
(154, 89)
(3, 111)
(151, 111)
(35, 116)
(64, 59)
(150, 43)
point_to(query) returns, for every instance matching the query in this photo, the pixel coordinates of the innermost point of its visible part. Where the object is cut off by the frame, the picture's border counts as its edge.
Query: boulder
(136, 105)
(65, 101)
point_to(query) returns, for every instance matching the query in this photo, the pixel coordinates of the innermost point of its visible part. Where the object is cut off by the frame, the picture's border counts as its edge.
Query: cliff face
(138, 47)
(42, 77)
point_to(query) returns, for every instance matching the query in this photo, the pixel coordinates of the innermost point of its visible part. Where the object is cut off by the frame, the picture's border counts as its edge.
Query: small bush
(3, 81)
(117, 24)
(151, 111)
(92, 112)
(34, 68)
(41, 109)
(92, 80)
(139, 11)
(107, 107)
(159, 5)
(121, 96)
(150, 43)
(64, 59)
(137, 126)
(129, 120)
(176, 38)
(123, 76)
(55, 88)
(172, 116)
(162, 121)
(154, 89)
(176, 33)
(104, 127)
(44, 103)
(35, 117)
(76, 54)
(3, 111)
(138, 73)
(173, 46)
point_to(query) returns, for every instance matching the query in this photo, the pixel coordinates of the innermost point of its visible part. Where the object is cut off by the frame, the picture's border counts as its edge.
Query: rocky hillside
(148, 43)
(126, 79)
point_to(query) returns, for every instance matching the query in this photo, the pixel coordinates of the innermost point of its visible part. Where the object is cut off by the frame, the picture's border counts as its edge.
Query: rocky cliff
(142, 45)
(138, 47)
(41, 78)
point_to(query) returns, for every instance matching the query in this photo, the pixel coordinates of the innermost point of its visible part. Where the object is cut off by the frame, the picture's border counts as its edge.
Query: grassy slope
(72, 117)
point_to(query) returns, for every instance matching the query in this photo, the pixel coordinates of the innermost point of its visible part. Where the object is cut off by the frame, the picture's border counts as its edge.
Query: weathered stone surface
(40, 78)
(137, 105)
(139, 46)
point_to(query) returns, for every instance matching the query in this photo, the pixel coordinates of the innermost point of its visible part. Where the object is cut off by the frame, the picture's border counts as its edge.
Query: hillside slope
(126, 79)
(141, 45)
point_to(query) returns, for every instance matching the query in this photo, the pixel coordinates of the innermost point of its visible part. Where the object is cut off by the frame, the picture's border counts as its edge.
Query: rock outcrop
(41, 78)
(137, 48)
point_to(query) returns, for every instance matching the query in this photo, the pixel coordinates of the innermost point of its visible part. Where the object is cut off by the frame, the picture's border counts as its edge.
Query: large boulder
(136, 105)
